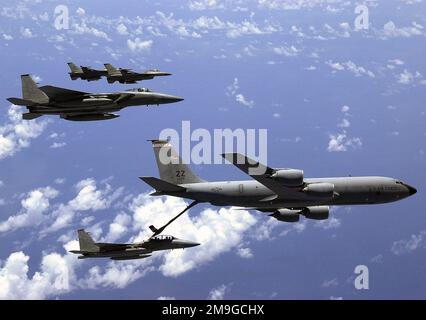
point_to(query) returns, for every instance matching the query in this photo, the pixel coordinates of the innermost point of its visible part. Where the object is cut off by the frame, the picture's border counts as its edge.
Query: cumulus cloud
(83, 29)
(18, 133)
(204, 5)
(122, 29)
(218, 231)
(233, 91)
(287, 51)
(52, 279)
(350, 67)
(415, 242)
(57, 145)
(89, 198)
(390, 30)
(139, 45)
(407, 78)
(330, 283)
(33, 208)
(245, 253)
(330, 223)
(341, 142)
(218, 293)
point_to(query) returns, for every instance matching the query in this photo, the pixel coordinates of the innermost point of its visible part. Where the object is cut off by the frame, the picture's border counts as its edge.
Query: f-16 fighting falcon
(127, 251)
(82, 106)
(129, 76)
(285, 193)
(85, 73)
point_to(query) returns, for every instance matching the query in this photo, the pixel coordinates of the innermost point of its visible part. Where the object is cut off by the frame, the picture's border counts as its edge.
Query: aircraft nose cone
(411, 190)
(170, 99)
(186, 244)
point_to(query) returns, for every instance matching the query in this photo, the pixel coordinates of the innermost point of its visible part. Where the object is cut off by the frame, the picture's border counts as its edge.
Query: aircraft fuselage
(348, 191)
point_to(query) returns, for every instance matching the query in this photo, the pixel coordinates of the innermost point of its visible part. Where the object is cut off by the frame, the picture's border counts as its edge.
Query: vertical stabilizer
(170, 165)
(31, 92)
(74, 68)
(112, 71)
(86, 242)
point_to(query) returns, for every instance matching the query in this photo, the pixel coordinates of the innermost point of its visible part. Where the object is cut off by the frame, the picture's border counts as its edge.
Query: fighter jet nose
(177, 99)
(411, 190)
(190, 244)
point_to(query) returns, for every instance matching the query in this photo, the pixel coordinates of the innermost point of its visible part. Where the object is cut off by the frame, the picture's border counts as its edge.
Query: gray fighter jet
(82, 106)
(129, 76)
(127, 251)
(85, 73)
(285, 193)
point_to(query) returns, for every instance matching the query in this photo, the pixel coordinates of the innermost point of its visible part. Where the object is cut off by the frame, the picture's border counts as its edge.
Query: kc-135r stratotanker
(82, 106)
(286, 193)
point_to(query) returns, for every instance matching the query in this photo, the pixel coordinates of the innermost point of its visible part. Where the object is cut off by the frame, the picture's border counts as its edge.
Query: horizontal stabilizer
(59, 94)
(30, 116)
(20, 102)
(161, 185)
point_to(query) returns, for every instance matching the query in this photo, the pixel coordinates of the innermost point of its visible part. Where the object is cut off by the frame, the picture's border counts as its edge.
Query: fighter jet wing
(61, 94)
(262, 174)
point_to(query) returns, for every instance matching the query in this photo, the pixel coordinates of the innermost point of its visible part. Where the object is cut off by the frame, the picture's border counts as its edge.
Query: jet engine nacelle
(320, 190)
(289, 177)
(286, 215)
(316, 213)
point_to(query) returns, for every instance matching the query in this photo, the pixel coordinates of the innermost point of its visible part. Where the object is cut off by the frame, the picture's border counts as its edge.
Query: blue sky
(336, 102)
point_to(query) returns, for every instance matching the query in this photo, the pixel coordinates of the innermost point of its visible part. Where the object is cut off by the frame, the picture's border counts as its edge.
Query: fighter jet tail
(74, 68)
(170, 165)
(31, 92)
(112, 71)
(86, 242)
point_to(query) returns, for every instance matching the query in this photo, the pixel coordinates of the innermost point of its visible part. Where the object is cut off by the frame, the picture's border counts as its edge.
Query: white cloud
(218, 293)
(89, 198)
(80, 11)
(407, 77)
(27, 33)
(57, 145)
(218, 231)
(17, 133)
(330, 283)
(286, 51)
(204, 5)
(33, 207)
(118, 227)
(52, 279)
(330, 223)
(245, 253)
(7, 37)
(350, 67)
(83, 28)
(122, 29)
(241, 99)
(415, 242)
(233, 91)
(390, 30)
(341, 142)
(166, 298)
(139, 45)
(345, 109)
(344, 124)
